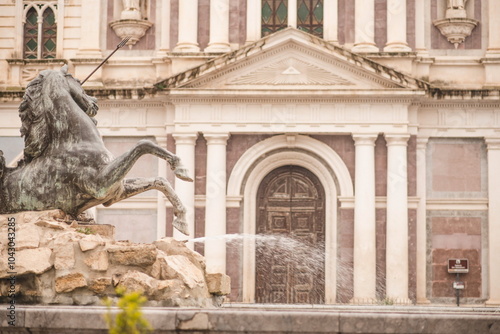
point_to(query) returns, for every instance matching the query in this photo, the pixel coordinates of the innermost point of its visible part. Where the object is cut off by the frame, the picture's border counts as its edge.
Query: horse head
(42, 111)
(87, 103)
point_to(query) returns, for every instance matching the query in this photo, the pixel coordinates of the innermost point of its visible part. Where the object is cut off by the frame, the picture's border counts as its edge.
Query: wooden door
(290, 256)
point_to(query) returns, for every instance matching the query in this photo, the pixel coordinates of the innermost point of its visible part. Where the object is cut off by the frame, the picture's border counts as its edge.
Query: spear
(122, 43)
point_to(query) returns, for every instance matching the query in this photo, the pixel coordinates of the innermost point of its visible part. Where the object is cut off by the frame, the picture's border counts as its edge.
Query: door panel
(290, 267)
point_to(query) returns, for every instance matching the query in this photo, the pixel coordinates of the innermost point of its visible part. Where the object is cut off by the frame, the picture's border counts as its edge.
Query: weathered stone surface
(218, 284)
(64, 256)
(104, 230)
(97, 261)
(175, 247)
(137, 281)
(70, 282)
(36, 261)
(52, 224)
(89, 266)
(27, 236)
(141, 255)
(180, 267)
(90, 242)
(100, 284)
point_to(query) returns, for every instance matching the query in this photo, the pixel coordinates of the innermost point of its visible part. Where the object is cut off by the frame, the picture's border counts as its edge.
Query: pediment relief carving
(291, 59)
(291, 71)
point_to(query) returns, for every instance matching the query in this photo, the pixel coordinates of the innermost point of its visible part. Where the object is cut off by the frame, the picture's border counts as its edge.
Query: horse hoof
(181, 225)
(182, 173)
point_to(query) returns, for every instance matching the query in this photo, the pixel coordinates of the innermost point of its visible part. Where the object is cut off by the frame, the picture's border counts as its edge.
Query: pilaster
(396, 27)
(219, 26)
(215, 207)
(364, 271)
(330, 21)
(493, 146)
(89, 46)
(364, 29)
(188, 27)
(422, 221)
(184, 149)
(397, 219)
(164, 29)
(161, 215)
(254, 9)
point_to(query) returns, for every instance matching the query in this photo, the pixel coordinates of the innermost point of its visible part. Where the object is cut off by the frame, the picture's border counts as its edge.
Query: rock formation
(49, 260)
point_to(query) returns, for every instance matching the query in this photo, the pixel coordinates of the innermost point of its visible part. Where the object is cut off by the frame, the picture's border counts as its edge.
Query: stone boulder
(56, 260)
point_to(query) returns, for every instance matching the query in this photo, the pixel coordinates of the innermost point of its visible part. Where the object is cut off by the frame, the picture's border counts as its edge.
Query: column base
(397, 47)
(423, 301)
(363, 301)
(218, 48)
(365, 47)
(186, 47)
(492, 302)
(396, 301)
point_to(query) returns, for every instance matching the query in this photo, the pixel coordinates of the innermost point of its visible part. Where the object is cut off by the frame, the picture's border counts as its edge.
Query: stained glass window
(31, 34)
(40, 37)
(274, 16)
(49, 33)
(310, 16)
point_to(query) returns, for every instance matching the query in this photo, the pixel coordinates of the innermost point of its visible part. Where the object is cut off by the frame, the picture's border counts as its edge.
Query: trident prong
(122, 43)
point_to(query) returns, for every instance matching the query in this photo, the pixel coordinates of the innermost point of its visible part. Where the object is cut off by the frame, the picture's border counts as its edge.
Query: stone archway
(284, 150)
(290, 264)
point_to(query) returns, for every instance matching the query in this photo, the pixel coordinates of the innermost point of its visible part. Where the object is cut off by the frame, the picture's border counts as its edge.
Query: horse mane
(34, 112)
(33, 121)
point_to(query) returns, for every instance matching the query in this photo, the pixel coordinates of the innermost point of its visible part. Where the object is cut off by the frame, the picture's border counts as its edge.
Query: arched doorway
(290, 264)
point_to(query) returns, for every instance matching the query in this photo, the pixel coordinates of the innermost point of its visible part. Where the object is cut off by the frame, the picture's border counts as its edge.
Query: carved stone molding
(136, 29)
(456, 29)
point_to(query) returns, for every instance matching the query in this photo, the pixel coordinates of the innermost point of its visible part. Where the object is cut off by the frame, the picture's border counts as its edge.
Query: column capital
(422, 142)
(161, 140)
(365, 139)
(396, 139)
(185, 138)
(492, 143)
(216, 138)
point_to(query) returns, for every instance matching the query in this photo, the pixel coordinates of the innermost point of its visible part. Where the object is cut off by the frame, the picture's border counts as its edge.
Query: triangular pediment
(291, 60)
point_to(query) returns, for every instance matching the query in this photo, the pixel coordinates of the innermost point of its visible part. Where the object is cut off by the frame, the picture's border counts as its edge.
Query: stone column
(493, 28)
(215, 206)
(420, 27)
(188, 27)
(397, 219)
(422, 221)
(330, 21)
(491, 62)
(364, 220)
(161, 203)
(396, 27)
(292, 13)
(89, 46)
(254, 19)
(493, 220)
(219, 26)
(184, 149)
(164, 29)
(364, 30)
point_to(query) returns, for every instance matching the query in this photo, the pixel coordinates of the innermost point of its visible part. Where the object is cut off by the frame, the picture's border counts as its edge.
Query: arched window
(40, 31)
(274, 16)
(278, 14)
(310, 16)
(31, 34)
(49, 34)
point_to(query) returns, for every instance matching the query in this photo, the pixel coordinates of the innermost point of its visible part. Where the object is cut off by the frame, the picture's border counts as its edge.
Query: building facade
(367, 131)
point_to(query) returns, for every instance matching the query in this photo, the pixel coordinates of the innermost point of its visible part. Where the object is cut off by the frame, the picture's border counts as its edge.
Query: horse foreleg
(136, 186)
(101, 185)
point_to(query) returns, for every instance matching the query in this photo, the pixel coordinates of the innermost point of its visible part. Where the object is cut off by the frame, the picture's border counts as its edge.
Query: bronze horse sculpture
(65, 164)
